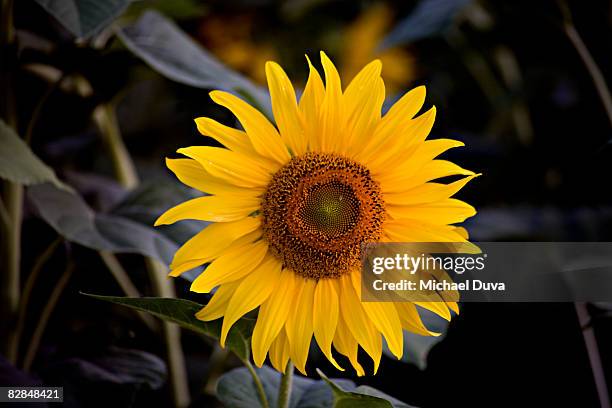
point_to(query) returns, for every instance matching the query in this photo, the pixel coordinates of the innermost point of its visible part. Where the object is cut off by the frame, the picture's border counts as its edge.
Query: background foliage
(96, 93)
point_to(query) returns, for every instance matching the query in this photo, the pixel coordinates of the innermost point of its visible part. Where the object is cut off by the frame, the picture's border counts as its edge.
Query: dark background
(550, 183)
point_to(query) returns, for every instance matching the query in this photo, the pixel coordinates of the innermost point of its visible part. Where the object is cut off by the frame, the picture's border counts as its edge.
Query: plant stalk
(597, 77)
(590, 343)
(106, 119)
(258, 385)
(284, 391)
(123, 280)
(46, 314)
(10, 253)
(27, 293)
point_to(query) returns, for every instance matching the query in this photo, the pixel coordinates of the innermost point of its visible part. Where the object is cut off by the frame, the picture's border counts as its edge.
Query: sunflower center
(318, 210)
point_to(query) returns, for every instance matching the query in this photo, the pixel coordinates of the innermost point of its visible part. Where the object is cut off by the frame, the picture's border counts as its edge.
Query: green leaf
(236, 389)
(182, 312)
(172, 53)
(72, 218)
(347, 399)
(417, 347)
(84, 18)
(19, 164)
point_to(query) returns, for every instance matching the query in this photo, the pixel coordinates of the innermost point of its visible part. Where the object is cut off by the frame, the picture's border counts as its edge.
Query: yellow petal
(345, 344)
(358, 323)
(208, 244)
(215, 308)
(263, 135)
(363, 101)
(331, 111)
(223, 208)
(185, 266)
(385, 319)
(402, 111)
(279, 352)
(412, 170)
(437, 169)
(364, 119)
(407, 142)
(232, 167)
(427, 193)
(252, 291)
(234, 139)
(272, 316)
(191, 173)
(325, 317)
(407, 230)
(449, 211)
(310, 105)
(232, 265)
(411, 320)
(438, 308)
(299, 325)
(284, 106)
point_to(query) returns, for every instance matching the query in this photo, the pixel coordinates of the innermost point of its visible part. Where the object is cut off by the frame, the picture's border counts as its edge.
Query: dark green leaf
(170, 51)
(19, 165)
(236, 389)
(84, 18)
(183, 312)
(429, 18)
(73, 219)
(348, 399)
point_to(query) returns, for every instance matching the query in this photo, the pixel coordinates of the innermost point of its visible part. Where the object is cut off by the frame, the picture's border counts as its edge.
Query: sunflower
(291, 205)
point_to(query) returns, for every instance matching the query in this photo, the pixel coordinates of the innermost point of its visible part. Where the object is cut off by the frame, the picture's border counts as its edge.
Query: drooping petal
(385, 319)
(208, 244)
(284, 106)
(357, 321)
(252, 291)
(346, 344)
(234, 168)
(299, 324)
(264, 137)
(325, 317)
(221, 208)
(232, 265)
(272, 316)
(216, 307)
(280, 351)
(411, 320)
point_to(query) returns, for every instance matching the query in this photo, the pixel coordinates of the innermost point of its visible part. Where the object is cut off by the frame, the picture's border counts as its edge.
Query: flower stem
(284, 391)
(258, 385)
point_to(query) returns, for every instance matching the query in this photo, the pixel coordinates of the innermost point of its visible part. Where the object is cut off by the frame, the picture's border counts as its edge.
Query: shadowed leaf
(19, 164)
(84, 18)
(182, 312)
(170, 51)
